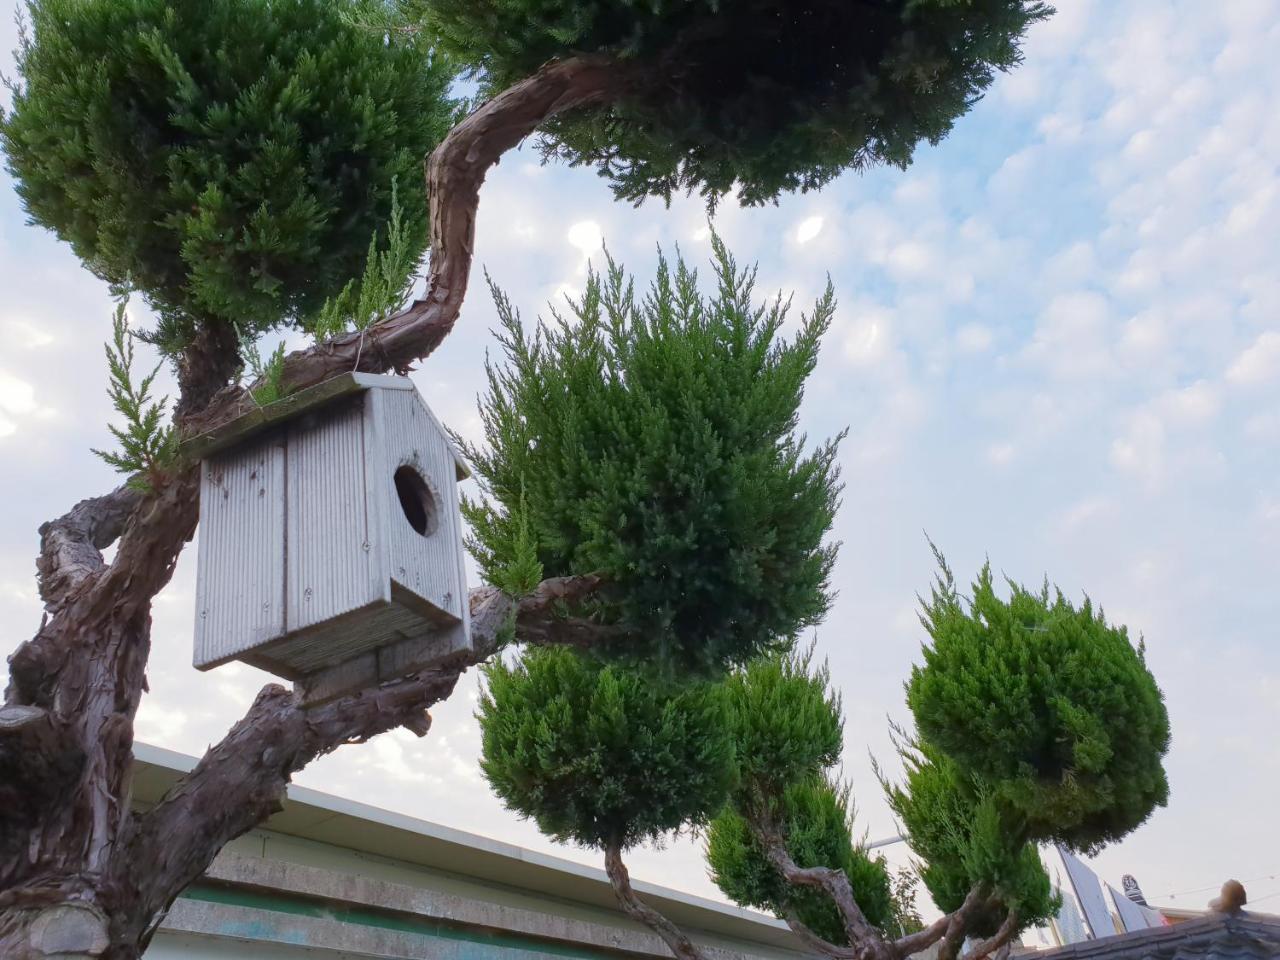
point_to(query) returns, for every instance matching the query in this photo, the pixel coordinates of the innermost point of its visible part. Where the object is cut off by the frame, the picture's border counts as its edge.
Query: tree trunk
(81, 875)
(680, 945)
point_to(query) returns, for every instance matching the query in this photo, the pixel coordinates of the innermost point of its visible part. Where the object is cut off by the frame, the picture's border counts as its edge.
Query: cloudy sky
(1058, 345)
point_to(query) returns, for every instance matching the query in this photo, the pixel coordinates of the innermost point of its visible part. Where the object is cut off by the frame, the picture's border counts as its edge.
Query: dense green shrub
(771, 96)
(654, 441)
(230, 159)
(815, 819)
(958, 833)
(1048, 705)
(788, 723)
(601, 755)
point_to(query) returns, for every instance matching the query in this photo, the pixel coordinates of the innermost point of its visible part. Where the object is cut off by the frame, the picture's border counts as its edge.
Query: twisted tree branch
(998, 940)
(242, 780)
(814, 942)
(834, 883)
(949, 930)
(85, 667)
(71, 546)
(680, 945)
(455, 172)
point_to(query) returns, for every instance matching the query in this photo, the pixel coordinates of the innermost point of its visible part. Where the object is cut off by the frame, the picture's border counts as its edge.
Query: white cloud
(27, 335)
(809, 228)
(867, 336)
(16, 396)
(1000, 454)
(586, 236)
(974, 337)
(1071, 337)
(1258, 363)
(1192, 405)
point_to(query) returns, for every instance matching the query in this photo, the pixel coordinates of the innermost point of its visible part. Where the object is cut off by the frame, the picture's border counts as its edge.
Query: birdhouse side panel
(240, 600)
(333, 564)
(423, 523)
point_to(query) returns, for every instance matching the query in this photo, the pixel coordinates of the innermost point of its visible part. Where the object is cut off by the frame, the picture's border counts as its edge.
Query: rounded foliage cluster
(788, 725)
(1048, 705)
(654, 442)
(957, 830)
(603, 756)
(770, 96)
(815, 819)
(230, 159)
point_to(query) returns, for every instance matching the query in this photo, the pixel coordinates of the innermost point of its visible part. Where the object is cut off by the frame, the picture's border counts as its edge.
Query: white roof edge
(183, 763)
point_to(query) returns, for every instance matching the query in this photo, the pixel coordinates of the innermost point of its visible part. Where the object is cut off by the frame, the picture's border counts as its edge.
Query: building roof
(1215, 936)
(336, 822)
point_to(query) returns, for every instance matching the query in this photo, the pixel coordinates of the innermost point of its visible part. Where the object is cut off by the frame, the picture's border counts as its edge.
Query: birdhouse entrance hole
(416, 500)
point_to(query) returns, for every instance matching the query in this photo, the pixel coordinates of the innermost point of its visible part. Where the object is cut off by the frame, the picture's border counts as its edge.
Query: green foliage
(654, 442)
(268, 374)
(816, 819)
(955, 826)
(227, 158)
(1048, 705)
(788, 732)
(148, 445)
(787, 723)
(381, 289)
(770, 96)
(906, 916)
(601, 755)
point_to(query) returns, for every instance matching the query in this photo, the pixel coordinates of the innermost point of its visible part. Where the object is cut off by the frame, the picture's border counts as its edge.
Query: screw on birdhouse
(448, 598)
(365, 546)
(306, 594)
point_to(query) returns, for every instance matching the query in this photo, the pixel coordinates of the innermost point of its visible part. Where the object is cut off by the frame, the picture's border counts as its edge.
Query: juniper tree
(652, 441)
(1017, 706)
(229, 160)
(747, 95)
(606, 757)
(785, 843)
(1046, 703)
(961, 840)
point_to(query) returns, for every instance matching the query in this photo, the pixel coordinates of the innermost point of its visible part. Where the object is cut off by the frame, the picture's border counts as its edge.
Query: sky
(1057, 346)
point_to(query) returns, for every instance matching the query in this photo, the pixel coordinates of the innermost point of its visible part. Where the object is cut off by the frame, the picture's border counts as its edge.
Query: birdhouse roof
(262, 418)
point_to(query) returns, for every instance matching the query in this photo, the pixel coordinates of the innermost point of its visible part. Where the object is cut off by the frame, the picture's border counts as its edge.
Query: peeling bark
(79, 874)
(680, 945)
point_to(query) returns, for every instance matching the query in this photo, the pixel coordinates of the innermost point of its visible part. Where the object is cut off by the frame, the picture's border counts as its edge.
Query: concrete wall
(278, 897)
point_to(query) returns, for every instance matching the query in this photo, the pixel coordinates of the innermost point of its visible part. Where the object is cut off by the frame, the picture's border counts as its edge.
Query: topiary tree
(1046, 703)
(763, 97)
(973, 803)
(226, 159)
(605, 757)
(653, 442)
(785, 843)
(815, 819)
(953, 825)
(229, 160)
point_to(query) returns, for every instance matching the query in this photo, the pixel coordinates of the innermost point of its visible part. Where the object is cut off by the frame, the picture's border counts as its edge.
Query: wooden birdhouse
(330, 538)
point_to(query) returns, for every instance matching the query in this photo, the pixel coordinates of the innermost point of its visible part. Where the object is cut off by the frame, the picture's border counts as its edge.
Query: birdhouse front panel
(330, 538)
(421, 486)
(334, 566)
(240, 601)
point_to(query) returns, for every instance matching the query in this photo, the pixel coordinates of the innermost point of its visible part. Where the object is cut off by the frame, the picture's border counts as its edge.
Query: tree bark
(679, 944)
(866, 942)
(79, 873)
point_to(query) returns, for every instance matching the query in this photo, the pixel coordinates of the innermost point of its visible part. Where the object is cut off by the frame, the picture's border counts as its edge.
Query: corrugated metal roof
(1215, 936)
